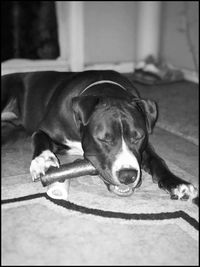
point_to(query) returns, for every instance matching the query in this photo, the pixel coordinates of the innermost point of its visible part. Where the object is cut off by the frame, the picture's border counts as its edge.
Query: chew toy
(59, 190)
(68, 171)
(58, 179)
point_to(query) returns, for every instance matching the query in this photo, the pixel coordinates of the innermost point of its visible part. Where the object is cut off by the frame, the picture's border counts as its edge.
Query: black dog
(99, 112)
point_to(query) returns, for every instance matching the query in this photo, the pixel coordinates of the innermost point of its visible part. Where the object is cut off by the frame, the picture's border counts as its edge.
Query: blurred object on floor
(152, 71)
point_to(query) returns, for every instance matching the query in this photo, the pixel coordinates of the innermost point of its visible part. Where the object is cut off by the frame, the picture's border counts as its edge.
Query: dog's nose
(127, 176)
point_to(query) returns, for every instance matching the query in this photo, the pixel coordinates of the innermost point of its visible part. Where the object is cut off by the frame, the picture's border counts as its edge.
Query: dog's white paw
(184, 192)
(42, 163)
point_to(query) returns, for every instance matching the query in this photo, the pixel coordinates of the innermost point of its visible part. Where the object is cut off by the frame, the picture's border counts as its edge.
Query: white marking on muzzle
(125, 159)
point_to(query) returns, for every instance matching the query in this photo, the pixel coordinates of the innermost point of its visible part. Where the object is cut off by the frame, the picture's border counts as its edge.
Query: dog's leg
(43, 156)
(43, 159)
(156, 166)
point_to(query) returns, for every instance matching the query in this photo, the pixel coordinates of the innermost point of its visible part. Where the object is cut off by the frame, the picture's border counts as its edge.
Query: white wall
(109, 31)
(174, 46)
(114, 31)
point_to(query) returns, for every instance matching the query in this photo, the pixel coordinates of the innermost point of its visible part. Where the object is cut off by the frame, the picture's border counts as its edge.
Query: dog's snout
(127, 176)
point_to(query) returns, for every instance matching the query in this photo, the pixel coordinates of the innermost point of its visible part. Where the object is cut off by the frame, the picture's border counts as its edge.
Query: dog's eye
(133, 140)
(136, 136)
(108, 138)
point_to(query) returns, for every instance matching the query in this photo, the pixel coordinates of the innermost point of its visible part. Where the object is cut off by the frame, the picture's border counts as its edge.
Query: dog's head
(114, 133)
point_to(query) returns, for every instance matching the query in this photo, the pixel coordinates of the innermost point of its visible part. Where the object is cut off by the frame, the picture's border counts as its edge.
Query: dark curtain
(29, 30)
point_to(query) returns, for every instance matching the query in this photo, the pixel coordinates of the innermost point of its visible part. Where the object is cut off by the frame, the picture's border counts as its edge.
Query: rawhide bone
(68, 171)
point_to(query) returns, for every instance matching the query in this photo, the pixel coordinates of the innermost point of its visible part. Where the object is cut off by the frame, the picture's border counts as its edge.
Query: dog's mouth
(129, 179)
(121, 190)
(124, 189)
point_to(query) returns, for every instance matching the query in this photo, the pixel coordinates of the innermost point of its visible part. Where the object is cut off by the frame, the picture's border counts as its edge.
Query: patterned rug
(94, 227)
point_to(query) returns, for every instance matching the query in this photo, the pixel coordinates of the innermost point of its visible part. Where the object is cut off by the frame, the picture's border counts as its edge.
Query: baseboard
(26, 65)
(127, 67)
(123, 67)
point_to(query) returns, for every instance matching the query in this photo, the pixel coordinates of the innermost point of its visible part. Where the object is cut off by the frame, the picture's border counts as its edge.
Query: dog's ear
(83, 107)
(150, 109)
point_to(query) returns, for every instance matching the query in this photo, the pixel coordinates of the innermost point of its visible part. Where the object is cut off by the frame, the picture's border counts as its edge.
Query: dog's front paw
(184, 192)
(42, 163)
